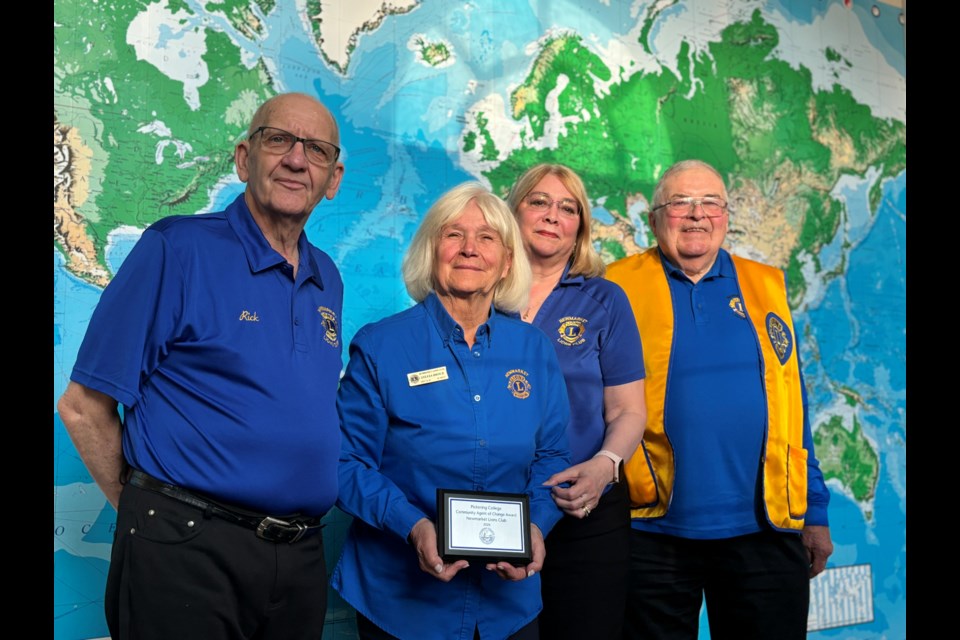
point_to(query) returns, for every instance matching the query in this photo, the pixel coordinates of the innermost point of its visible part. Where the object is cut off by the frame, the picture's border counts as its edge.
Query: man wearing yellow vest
(729, 502)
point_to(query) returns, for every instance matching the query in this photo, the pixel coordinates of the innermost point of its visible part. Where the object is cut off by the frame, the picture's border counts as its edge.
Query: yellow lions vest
(650, 472)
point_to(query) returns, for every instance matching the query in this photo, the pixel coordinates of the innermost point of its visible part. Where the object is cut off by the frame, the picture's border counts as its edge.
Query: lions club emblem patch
(736, 305)
(330, 331)
(518, 384)
(571, 331)
(780, 337)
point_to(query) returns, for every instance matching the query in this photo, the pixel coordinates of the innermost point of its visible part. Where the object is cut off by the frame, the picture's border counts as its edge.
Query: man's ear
(334, 184)
(240, 156)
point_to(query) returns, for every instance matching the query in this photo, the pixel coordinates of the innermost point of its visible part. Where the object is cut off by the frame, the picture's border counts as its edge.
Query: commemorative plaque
(484, 526)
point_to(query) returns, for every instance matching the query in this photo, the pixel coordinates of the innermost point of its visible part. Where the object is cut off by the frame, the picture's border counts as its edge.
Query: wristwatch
(616, 462)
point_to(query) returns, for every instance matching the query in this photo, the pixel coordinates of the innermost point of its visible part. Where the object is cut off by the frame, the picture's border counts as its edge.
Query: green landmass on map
(240, 14)
(735, 106)
(847, 455)
(433, 53)
(850, 396)
(489, 149)
(113, 96)
(834, 56)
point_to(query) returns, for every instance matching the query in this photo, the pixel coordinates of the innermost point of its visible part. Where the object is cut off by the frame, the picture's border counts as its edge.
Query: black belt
(290, 529)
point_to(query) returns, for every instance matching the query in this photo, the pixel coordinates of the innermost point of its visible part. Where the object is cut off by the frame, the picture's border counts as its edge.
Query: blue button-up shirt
(493, 419)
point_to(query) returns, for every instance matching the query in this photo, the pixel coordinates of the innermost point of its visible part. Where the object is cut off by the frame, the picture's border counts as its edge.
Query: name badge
(427, 376)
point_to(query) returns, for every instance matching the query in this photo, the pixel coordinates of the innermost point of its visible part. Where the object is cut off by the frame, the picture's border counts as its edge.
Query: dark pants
(584, 577)
(178, 575)
(757, 587)
(367, 630)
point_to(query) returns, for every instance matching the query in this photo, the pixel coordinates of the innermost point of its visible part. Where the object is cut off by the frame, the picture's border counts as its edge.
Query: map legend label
(840, 597)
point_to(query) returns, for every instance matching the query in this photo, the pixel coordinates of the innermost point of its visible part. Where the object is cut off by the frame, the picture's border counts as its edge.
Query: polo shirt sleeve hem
(624, 379)
(124, 397)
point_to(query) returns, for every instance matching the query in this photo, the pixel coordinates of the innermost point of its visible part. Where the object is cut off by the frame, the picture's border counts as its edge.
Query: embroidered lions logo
(518, 384)
(780, 337)
(736, 305)
(329, 322)
(571, 331)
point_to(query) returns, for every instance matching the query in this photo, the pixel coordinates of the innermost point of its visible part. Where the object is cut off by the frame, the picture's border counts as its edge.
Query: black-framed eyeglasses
(541, 203)
(279, 142)
(683, 207)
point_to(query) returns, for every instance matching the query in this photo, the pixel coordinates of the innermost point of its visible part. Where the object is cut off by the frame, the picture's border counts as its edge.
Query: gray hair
(511, 293)
(676, 168)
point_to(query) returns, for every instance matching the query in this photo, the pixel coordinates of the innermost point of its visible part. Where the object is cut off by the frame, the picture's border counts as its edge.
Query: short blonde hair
(584, 261)
(511, 293)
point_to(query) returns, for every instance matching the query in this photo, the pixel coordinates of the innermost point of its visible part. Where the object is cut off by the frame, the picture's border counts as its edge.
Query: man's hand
(507, 571)
(423, 537)
(587, 482)
(816, 538)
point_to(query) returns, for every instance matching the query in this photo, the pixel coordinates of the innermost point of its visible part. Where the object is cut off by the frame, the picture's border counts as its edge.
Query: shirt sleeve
(134, 321)
(365, 493)
(621, 352)
(553, 454)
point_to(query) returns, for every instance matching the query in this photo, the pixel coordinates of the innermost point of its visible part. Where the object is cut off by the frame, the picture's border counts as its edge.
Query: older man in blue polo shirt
(220, 337)
(736, 507)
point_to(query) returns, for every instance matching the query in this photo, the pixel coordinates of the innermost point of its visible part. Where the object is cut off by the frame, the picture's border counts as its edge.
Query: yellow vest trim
(765, 303)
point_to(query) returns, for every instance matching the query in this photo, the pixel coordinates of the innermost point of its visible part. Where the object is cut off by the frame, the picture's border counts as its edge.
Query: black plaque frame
(449, 553)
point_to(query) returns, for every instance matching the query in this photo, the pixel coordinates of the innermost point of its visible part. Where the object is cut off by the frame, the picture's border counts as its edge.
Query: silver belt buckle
(263, 529)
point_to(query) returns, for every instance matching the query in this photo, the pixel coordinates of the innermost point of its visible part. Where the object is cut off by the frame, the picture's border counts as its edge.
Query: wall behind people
(801, 106)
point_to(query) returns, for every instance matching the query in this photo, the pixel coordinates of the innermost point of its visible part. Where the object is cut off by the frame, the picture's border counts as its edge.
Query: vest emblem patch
(780, 337)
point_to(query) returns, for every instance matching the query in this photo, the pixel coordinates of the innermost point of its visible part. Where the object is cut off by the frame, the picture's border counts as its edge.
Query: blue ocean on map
(73, 304)
(860, 319)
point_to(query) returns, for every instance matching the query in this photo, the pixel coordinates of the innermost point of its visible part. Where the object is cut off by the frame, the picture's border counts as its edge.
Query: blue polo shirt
(226, 365)
(594, 333)
(715, 412)
(493, 419)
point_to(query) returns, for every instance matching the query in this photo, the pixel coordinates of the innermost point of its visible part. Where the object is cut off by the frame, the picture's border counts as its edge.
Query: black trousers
(757, 587)
(178, 575)
(584, 577)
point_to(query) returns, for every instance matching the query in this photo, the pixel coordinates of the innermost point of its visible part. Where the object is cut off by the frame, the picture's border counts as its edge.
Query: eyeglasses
(541, 203)
(279, 142)
(683, 207)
